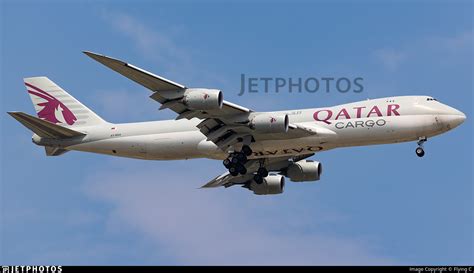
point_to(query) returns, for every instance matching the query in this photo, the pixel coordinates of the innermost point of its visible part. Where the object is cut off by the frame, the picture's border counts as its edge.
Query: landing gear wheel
(246, 150)
(233, 170)
(262, 172)
(226, 163)
(258, 179)
(239, 167)
(241, 157)
(243, 170)
(234, 159)
(420, 152)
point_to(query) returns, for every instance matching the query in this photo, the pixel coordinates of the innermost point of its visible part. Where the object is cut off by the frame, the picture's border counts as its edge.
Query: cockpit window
(430, 99)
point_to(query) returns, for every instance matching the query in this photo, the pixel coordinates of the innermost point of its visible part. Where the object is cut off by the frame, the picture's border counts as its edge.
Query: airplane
(258, 149)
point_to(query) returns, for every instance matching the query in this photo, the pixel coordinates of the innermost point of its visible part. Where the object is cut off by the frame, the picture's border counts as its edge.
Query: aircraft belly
(182, 145)
(124, 147)
(169, 146)
(384, 130)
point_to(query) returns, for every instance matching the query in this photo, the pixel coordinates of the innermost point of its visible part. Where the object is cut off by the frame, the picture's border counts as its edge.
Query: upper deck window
(430, 99)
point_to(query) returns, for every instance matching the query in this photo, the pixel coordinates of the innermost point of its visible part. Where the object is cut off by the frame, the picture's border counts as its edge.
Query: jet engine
(304, 171)
(272, 184)
(203, 99)
(269, 123)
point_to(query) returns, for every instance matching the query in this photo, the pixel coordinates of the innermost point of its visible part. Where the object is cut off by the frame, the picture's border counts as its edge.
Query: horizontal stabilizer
(44, 128)
(53, 151)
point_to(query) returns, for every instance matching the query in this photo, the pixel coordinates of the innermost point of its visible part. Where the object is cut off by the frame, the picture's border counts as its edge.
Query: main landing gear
(261, 173)
(419, 151)
(236, 161)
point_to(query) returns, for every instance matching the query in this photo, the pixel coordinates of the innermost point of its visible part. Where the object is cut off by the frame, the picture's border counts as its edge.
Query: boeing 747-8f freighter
(258, 149)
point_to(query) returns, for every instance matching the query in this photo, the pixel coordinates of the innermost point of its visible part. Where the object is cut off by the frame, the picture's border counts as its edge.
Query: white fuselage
(378, 121)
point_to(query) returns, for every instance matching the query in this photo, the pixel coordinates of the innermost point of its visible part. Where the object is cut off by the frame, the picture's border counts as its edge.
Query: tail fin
(55, 105)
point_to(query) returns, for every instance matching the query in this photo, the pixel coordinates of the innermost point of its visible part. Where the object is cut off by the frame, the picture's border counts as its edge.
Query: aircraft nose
(459, 117)
(454, 118)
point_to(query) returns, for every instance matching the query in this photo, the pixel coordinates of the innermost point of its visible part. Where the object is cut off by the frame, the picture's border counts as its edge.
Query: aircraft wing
(162, 87)
(138, 75)
(279, 164)
(225, 126)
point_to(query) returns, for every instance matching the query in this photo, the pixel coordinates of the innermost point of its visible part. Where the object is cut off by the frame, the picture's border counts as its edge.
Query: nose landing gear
(420, 152)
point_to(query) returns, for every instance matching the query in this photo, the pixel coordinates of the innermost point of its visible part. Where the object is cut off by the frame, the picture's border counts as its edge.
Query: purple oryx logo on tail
(50, 106)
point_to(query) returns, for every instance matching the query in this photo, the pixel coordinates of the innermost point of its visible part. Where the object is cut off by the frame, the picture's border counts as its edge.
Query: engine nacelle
(304, 170)
(272, 184)
(203, 99)
(269, 123)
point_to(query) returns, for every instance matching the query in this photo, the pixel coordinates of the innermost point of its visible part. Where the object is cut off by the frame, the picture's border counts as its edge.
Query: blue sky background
(374, 205)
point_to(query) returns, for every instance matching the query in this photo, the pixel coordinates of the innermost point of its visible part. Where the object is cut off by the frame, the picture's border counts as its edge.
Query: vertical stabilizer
(54, 104)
